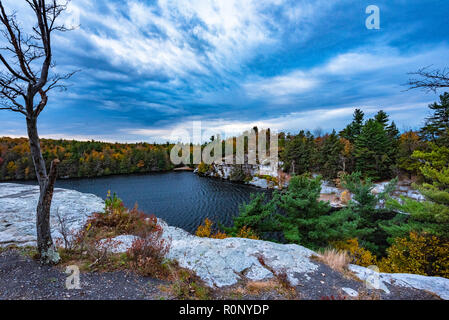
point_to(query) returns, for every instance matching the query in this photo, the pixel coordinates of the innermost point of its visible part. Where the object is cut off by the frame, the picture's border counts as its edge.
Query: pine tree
(300, 210)
(365, 205)
(382, 118)
(373, 149)
(432, 215)
(299, 152)
(436, 128)
(329, 156)
(257, 214)
(352, 131)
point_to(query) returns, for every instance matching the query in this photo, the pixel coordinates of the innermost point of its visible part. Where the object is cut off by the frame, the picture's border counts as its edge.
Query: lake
(182, 199)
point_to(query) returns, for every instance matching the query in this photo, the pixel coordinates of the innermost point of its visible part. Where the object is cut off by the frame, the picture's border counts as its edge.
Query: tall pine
(436, 128)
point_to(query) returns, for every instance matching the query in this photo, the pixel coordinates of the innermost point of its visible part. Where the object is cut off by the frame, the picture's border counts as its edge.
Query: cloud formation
(151, 66)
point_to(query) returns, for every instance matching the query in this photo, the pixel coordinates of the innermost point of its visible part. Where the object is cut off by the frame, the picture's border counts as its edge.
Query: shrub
(205, 231)
(185, 285)
(247, 233)
(357, 254)
(422, 254)
(117, 220)
(203, 168)
(147, 255)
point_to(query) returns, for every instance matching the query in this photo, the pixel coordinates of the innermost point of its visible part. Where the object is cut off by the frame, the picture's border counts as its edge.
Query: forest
(82, 159)
(397, 235)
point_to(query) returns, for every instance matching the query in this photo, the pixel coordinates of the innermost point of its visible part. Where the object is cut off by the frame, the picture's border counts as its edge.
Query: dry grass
(259, 287)
(336, 259)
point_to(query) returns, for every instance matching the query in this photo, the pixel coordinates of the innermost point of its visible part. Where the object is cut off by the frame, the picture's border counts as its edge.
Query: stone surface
(223, 262)
(218, 262)
(258, 182)
(437, 285)
(18, 211)
(350, 292)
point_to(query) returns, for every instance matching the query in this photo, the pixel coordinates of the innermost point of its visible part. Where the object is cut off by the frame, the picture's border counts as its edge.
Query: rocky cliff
(218, 262)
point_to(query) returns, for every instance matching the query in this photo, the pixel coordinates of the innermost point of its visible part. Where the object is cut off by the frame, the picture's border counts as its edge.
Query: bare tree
(429, 79)
(26, 77)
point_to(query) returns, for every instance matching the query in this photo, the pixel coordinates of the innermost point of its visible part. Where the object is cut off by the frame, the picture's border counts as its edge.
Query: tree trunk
(47, 251)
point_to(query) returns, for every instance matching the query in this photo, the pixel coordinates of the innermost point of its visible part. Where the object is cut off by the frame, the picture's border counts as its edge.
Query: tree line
(374, 147)
(82, 159)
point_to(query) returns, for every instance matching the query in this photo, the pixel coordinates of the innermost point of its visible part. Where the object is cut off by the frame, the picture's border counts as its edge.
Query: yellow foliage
(11, 167)
(219, 235)
(205, 231)
(247, 233)
(345, 197)
(203, 168)
(422, 254)
(141, 164)
(357, 254)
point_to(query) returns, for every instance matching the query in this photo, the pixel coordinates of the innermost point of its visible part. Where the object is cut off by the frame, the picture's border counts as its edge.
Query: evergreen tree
(382, 118)
(366, 206)
(257, 215)
(352, 131)
(299, 153)
(432, 215)
(436, 128)
(373, 149)
(329, 156)
(300, 210)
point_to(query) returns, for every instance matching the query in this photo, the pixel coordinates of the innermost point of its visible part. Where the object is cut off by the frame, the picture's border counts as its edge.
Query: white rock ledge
(218, 262)
(18, 204)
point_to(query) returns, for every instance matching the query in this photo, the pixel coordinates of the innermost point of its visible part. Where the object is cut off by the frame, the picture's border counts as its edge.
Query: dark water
(182, 199)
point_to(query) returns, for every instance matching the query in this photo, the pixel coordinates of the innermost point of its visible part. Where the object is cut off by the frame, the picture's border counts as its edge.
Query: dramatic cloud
(149, 67)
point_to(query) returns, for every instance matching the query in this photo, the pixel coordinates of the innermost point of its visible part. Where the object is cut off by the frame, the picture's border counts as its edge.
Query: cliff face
(218, 262)
(266, 175)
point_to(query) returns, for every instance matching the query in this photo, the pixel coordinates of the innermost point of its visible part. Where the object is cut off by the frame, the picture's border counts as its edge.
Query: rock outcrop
(18, 211)
(218, 262)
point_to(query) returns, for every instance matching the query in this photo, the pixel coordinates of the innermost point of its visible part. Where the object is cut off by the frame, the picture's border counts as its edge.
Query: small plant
(185, 285)
(117, 220)
(147, 255)
(357, 254)
(205, 231)
(336, 259)
(247, 233)
(113, 204)
(203, 168)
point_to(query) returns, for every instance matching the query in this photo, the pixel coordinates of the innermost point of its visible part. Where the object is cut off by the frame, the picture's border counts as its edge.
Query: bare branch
(27, 58)
(430, 80)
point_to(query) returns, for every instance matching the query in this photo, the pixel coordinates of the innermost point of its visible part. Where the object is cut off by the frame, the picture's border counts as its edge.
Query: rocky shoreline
(220, 263)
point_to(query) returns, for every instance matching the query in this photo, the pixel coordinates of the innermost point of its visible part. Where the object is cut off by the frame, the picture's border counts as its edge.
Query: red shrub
(147, 255)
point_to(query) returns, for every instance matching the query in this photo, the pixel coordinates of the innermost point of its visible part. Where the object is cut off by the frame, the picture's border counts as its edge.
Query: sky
(150, 67)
